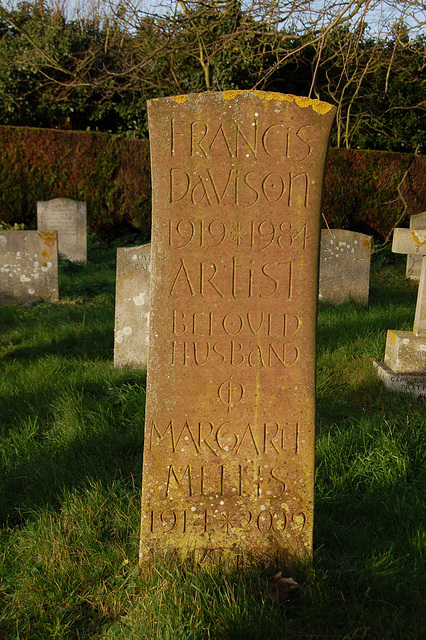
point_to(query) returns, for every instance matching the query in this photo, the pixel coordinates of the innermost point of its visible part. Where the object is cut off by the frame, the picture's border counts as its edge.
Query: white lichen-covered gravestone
(414, 261)
(69, 219)
(344, 272)
(131, 340)
(404, 368)
(28, 266)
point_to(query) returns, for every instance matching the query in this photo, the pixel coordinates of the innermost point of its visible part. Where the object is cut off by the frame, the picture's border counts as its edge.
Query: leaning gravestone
(344, 272)
(69, 219)
(230, 414)
(414, 261)
(28, 266)
(404, 368)
(132, 298)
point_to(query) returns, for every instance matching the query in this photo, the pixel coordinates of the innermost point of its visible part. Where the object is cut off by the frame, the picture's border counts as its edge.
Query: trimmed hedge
(112, 174)
(361, 190)
(109, 172)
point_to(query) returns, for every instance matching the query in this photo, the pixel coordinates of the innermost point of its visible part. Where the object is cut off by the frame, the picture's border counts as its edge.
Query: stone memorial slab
(28, 266)
(401, 382)
(69, 219)
(344, 266)
(414, 262)
(405, 353)
(230, 413)
(132, 299)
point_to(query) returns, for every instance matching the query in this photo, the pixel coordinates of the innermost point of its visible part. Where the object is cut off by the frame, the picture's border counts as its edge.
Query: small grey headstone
(414, 262)
(28, 266)
(344, 272)
(131, 340)
(69, 219)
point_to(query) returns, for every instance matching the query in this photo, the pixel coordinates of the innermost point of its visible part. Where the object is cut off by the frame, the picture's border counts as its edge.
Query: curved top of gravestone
(64, 200)
(301, 101)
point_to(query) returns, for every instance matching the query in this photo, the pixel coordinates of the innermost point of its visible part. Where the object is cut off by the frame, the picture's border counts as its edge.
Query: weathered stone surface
(405, 352)
(404, 383)
(69, 219)
(344, 266)
(414, 262)
(131, 339)
(230, 412)
(28, 266)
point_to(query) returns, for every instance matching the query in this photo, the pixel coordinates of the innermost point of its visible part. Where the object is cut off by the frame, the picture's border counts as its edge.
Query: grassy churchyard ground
(71, 459)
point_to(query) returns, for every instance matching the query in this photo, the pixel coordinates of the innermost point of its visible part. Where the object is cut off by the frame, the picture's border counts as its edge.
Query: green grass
(71, 431)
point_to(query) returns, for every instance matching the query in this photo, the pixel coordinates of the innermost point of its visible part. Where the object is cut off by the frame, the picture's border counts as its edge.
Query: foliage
(370, 201)
(96, 70)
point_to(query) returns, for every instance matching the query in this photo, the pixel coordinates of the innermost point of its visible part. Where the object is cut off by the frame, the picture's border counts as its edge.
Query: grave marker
(404, 368)
(132, 299)
(230, 414)
(414, 262)
(69, 219)
(344, 272)
(28, 266)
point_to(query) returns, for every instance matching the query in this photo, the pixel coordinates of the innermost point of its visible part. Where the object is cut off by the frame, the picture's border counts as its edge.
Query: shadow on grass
(56, 438)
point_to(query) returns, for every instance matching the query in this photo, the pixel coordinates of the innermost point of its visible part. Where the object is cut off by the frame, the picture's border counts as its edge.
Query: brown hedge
(361, 190)
(112, 174)
(109, 172)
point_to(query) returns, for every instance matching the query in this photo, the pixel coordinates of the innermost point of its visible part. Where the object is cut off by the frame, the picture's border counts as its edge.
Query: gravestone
(414, 262)
(344, 272)
(132, 298)
(28, 266)
(230, 412)
(69, 219)
(404, 368)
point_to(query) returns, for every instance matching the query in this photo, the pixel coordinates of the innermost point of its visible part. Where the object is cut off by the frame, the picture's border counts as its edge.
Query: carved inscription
(252, 234)
(206, 437)
(264, 521)
(278, 141)
(230, 415)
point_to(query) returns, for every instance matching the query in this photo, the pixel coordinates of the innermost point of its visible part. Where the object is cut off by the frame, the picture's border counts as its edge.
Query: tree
(97, 69)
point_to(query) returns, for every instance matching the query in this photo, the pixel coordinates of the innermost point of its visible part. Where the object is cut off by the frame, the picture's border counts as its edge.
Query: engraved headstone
(404, 368)
(131, 339)
(230, 412)
(28, 266)
(414, 262)
(344, 272)
(69, 219)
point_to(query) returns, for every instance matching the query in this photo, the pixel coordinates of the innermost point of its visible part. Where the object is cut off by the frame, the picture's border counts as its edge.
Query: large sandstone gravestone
(28, 266)
(131, 339)
(230, 412)
(344, 272)
(414, 261)
(69, 219)
(404, 368)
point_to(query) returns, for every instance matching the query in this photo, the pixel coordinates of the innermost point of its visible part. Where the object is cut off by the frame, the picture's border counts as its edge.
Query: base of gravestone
(412, 383)
(289, 561)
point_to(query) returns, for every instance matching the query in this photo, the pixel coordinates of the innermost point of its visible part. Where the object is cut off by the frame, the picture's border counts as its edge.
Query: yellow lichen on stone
(302, 101)
(231, 95)
(366, 243)
(180, 99)
(321, 107)
(418, 237)
(48, 237)
(274, 95)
